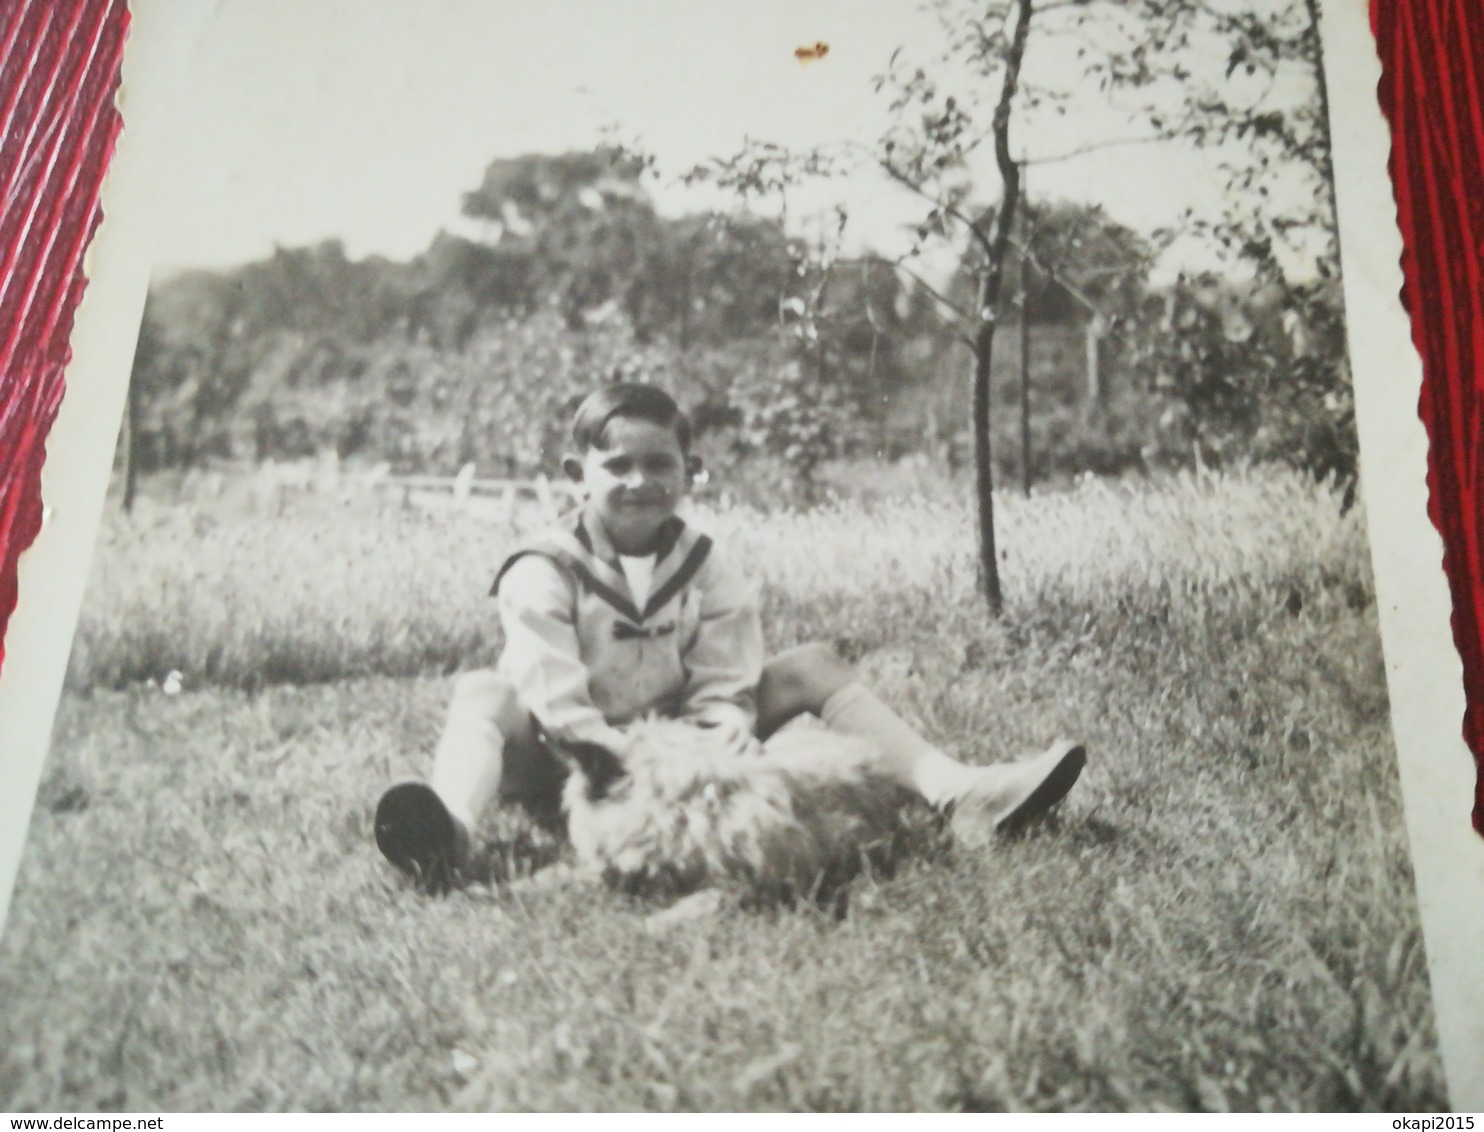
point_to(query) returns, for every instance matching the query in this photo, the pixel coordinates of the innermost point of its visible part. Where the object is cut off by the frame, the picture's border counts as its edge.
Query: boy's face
(634, 481)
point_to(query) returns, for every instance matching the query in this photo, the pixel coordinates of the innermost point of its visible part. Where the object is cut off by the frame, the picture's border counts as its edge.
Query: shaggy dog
(676, 812)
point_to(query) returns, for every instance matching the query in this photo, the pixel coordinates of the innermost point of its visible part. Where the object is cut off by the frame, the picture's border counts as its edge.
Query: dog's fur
(676, 812)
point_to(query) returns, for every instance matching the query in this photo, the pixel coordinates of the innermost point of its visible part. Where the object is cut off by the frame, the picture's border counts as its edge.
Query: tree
(755, 315)
(1007, 67)
(1263, 115)
(585, 220)
(811, 364)
(714, 279)
(1079, 258)
(916, 160)
(924, 157)
(1073, 267)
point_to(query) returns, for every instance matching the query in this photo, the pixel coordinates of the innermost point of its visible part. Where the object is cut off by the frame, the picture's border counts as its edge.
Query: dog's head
(668, 758)
(599, 768)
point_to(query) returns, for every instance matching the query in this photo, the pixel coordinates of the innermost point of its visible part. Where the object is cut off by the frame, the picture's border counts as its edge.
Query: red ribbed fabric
(1432, 52)
(59, 68)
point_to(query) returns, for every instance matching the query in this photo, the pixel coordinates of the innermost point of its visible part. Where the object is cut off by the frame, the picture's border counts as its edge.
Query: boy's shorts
(532, 777)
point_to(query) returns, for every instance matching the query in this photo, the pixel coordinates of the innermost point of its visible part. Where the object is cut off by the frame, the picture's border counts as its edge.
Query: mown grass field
(1221, 916)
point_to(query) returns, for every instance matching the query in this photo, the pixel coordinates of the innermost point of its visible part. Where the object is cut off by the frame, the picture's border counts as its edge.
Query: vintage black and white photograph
(717, 556)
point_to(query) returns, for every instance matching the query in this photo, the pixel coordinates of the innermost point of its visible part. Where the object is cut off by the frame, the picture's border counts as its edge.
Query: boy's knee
(488, 693)
(809, 674)
(484, 684)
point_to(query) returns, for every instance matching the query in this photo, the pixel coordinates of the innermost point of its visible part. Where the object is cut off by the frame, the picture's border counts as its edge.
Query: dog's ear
(597, 764)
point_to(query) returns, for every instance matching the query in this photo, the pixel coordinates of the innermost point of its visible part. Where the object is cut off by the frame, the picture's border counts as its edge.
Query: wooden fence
(265, 488)
(552, 495)
(273, 481)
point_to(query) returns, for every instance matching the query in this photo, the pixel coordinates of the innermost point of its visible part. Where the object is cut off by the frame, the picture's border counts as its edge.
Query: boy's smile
(634, 481)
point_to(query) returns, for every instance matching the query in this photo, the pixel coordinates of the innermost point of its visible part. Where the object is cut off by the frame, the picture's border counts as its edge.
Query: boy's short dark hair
(627, 399)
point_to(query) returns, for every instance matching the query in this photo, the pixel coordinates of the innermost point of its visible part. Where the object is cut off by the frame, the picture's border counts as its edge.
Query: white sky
(366, 120)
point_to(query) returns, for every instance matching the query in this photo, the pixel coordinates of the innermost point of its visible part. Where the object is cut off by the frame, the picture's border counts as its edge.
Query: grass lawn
(1221, 916)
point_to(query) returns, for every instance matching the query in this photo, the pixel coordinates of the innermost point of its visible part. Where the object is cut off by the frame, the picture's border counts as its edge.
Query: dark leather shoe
(416, 832)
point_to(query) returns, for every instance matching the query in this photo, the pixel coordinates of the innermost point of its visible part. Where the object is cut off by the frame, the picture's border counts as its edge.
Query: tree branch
(1052, 274)
(933, 292)
(1094, 147)
(947, 209)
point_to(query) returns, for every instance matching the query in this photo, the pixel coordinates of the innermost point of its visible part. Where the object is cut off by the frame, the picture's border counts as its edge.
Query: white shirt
(638, 571)
(570, 667)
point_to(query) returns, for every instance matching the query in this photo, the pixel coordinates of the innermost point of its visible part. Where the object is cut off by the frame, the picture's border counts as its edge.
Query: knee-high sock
(469, 756)
(908, 757)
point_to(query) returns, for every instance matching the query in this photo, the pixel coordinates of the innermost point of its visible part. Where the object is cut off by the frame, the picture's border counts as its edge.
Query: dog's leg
(696, 906)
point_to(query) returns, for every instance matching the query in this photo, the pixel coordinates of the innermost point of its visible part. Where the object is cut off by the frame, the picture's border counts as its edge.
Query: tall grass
(325, 592)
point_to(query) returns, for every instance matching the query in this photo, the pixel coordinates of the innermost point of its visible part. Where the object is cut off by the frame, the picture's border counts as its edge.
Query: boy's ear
(572, 465)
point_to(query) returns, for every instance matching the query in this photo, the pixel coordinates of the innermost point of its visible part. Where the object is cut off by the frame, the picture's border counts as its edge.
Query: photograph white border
(1424, 675)
(1423, 670)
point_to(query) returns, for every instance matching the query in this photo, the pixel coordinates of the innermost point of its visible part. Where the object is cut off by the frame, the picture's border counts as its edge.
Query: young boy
(628, 612)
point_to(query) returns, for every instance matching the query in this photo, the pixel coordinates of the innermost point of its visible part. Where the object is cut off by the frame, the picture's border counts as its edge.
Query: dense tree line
(475, 349)
(787, 353)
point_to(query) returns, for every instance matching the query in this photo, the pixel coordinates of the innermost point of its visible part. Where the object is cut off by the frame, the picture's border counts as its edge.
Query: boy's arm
(542, 657)
(725, 660)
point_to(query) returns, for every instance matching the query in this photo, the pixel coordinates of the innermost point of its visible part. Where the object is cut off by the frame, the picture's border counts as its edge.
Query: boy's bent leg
(985, 800)
(813, 678)
(797, 681)
(484, 719)
(424, 829)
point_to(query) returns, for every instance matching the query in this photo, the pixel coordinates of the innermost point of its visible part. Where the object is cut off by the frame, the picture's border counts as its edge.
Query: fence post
(1095, 393)
(544, 495)
(265, 487)
(463, 483)
(327, 471)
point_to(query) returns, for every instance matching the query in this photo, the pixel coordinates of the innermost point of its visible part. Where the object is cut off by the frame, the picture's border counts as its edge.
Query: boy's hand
(733, 735)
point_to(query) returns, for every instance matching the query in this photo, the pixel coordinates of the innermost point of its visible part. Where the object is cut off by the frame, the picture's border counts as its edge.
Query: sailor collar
(585, 553)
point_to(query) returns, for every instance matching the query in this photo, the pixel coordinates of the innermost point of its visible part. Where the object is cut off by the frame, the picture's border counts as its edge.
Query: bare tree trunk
(989, 567)
(1025, 349)
(1091, 340)
(1326, 151)
(130, 444)
(989, 297)
(1025, 401)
